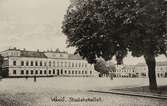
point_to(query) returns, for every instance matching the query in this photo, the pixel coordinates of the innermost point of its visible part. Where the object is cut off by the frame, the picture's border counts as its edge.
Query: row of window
(59, 72)
(58, 64)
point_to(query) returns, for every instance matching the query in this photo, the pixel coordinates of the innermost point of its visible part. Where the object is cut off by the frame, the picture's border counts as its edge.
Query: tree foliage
(104, 67)
(104, 28)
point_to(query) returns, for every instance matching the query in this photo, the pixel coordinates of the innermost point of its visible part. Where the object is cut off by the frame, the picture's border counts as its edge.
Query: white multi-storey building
(22, 63)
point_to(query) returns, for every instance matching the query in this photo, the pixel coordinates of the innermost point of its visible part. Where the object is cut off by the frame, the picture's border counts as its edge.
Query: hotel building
(23, 63)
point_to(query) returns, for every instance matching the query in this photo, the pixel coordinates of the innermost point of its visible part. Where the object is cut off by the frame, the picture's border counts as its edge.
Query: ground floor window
(61, 71)
(45, 72)
(65, 72)
(27, 72)
(69, 72)
(32, 72)
(14, 71)
(53, 71)
(49, 71)
(40, 71)
(36, 72)
(22, 71)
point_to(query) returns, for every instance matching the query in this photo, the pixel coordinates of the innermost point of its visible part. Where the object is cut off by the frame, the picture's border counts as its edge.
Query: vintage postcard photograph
(83, 52)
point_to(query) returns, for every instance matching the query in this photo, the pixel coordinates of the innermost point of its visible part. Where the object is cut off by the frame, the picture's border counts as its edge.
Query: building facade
(22, 63)
(127, 71)
(161, 69)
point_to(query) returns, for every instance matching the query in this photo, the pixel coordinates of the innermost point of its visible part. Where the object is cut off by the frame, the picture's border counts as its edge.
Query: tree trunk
(151, 64)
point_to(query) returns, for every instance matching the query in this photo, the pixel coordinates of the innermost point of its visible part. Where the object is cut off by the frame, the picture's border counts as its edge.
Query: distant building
(161, 69)
(23, 63)
(125, 71)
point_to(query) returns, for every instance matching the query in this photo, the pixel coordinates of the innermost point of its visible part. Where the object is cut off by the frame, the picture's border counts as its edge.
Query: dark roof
(32, 54)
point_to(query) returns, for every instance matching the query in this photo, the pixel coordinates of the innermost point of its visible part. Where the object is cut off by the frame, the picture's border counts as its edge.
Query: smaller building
(127, 71)
(161, 69)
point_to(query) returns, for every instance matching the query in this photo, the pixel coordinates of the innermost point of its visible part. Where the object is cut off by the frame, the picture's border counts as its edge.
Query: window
(85, 72)
(65, 72)
(69, 72)
(53, 71)
(45, 72)
(14, 63)
(27, 63)
(14, 71)
(22, 63)
(40, 71)
(79, 72)
(82, 72)
(36, 72)
(75, 72)
(40, 63)
(22, 71)
(27, 72)
(36, 63)
(49, 71)
(32, 63)
(90, 72)
(61, 71)
(53, 63)
(45, 63)
(72, 72)
(32, 72)
(49, 63)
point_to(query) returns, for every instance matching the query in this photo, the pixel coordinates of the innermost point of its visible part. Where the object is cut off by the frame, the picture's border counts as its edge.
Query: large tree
(107, 28)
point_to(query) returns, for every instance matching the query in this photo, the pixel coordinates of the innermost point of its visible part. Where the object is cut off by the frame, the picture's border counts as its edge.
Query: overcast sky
(36, 24)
